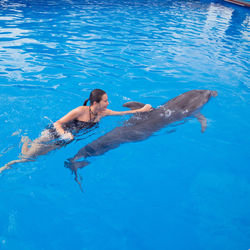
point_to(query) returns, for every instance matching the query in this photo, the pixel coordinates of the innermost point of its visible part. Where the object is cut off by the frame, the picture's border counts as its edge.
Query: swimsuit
(73, 127)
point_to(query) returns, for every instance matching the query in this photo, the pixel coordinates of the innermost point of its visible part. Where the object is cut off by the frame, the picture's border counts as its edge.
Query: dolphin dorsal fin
(133, 105)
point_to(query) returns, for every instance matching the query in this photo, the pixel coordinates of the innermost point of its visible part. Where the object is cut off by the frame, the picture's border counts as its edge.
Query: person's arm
(67, 118)
(146, 108)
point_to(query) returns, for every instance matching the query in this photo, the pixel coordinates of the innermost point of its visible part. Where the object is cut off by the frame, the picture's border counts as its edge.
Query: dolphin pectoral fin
(133, 105)
(203, 121)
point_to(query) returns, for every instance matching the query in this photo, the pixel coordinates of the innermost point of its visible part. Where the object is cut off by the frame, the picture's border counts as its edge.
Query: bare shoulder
(81, 110)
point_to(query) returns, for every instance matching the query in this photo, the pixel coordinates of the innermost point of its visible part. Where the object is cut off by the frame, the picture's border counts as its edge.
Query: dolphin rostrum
(142, 125)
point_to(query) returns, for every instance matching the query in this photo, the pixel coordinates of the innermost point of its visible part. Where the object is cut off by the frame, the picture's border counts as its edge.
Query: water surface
(175, 190)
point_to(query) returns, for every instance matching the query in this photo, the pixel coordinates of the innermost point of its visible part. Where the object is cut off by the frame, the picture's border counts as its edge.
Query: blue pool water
(179, 189)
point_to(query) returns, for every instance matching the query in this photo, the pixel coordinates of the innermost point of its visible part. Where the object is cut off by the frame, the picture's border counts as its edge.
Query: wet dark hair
(95, 96)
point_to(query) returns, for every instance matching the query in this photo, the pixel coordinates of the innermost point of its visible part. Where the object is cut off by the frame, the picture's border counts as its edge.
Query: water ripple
(167, 39)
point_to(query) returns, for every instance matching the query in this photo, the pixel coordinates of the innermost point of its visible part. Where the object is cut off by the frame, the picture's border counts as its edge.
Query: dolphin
(142, 125)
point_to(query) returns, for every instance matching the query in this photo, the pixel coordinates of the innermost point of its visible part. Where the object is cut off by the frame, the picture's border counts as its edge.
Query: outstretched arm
(146, 108)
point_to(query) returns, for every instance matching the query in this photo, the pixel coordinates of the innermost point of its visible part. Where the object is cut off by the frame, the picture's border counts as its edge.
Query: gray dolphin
(142, 125)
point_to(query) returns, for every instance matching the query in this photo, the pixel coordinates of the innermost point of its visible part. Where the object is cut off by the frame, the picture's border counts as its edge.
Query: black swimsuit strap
(91, 113)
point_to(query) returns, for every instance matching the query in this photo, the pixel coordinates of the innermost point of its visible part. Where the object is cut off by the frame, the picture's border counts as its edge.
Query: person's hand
(67, 136)
(146, 108)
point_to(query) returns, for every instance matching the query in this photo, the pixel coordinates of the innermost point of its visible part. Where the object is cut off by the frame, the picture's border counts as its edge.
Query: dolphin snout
(214, 93)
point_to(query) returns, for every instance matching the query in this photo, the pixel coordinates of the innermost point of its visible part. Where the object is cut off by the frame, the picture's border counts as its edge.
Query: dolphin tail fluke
(214, 93)
(203, 121)
(73, 166)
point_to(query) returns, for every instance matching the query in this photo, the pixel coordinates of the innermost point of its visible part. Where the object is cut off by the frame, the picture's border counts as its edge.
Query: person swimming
(63, 131)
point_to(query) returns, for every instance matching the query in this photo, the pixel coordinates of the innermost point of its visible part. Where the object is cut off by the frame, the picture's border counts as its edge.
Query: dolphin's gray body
(143, 125)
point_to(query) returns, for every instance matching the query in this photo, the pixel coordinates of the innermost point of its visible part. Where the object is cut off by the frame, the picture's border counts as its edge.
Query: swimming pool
(178, 189)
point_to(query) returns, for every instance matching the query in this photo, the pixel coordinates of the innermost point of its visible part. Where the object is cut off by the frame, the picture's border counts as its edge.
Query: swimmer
(63, 131)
